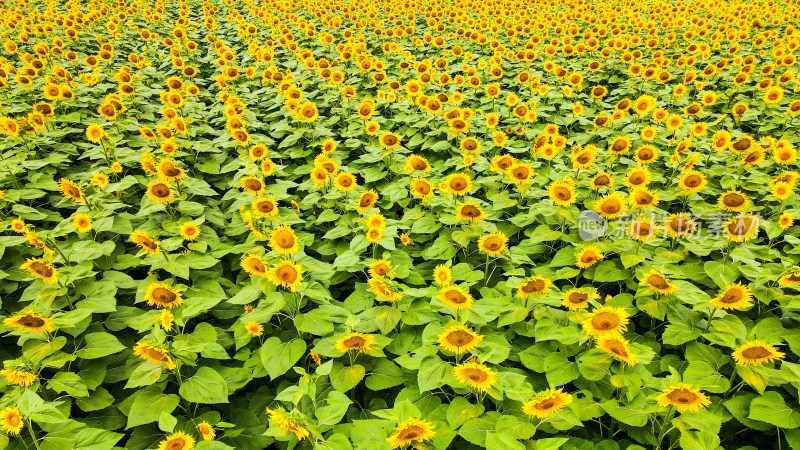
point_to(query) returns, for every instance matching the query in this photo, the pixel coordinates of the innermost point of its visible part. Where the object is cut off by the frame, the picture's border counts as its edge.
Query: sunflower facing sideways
(19, 377)
(459, 339)
(41, 269)
(29, 321)
(756, 353)
(683, 397)
(154, 354)
(577, 298)
(536, 285)
(790, 279)
(658, 282)
(146, 242)
(287, 425)
(475, 375)
(410, 431)
(356, 342)
(383, 290)
(617, 347)
(470, 211)
(71, 191)
(735, 296)
(547, 404)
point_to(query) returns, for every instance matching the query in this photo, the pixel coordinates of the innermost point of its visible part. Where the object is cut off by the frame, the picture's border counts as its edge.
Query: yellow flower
(742, 228)
(283, 241)
(734, 297)
(177, 441)
(537, 285)
(562, 192)
(409, 431)
(588, 256)
(455, 297)
(457, 184)
(189, 230)
(146, 242)
(389, 141)
(733, 201)
(254, 328)
(29, 321)
(375, 221)
(606, 320)
(381, 288)
(692, 181)
(287, 274)
(160, 192)
(41, 269)
(18, 377)
(756, 353)
(618, 348)
(345, 181)
(683, 397)
(206, 431)
(790, 279)
(546, 404)
(252, 184)
(374, 235)
(493, 244)
(288, 425)
(71, 190)
(367, 200)
(442, 275)
(167, 320)
(254, 265)
(162, 295)
(786, 221)
(95, 133)
(470, 211)
(357, 342)
(265, 206)
(611, 206)
(11, 421)
(576, 299)
(475, 375)
(421, 188)
(658, 282)
(154, 354)
(459, 339)
(380, 268)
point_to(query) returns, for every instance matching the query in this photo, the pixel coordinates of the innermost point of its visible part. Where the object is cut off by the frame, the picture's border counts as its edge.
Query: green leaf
(148, 404)
(343, 378)
(460, 410)
(99, 345)
(385, 375)
(68, 382)
(332, 413)
(206, 386)
(278, 356)
(771, 408)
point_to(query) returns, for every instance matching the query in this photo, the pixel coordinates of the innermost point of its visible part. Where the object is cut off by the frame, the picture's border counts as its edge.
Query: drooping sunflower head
(145, 242)
(356, 342)
(381, 288)
(254, 265)
(606, 320)
(71, 191)
(536, 285)
(546, 404)
(617, 347)
(19, 377)
(162, 295)
(417, 163)
(619, 146)
(367, 200)
(154, 354)
(41, 269)
(475, 375)
(167, 170)
(29, 321)
(501, 163)
(683, 397)
(206, 431)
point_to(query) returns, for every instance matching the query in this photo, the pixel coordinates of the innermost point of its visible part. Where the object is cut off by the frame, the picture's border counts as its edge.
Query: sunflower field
(381, 224)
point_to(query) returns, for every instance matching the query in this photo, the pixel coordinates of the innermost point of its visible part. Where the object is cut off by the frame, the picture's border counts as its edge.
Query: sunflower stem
(33, 433)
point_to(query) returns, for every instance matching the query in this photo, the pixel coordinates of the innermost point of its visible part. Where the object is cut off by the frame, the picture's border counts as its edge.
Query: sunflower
(455, 297)
(457, 184)
(257, 152)
(742, 228)
(146, 242)
(459, 339)
(357, 342)
(206, 431)
(790, 279)
(71, 190)
(254, 265)
(734, 297)
(536, 285)
(177, 441)
(588, 256)
(442, 275)
(683, 397)
(167, 320)
(41, 269)
(384, 292)
(287, 274)
(679, 224)
(470, 211)
(637, 176)
(254, 328)
(389, 140)
(601, 179)
(417, 163)
(345, 181)
(692, 182)
(160, 192)
(611, 206)
(283, 241)
(252, 184)
(606, 320)
(367, 200)
(756, 353)
(562, 192)
(781, 190)
(583, 159)
(493, 244)
(162, 295)
(154, 354)
(18, 377)
(501, 163)
(786, 221)
(421, 188)
(520, 173)
(286, 424)
(11, 421)
(265, 206)
(95, 133)
(546, 404)
(167, 170)
(475, 375)
(576, 298)
(645, 154)
(617, 347)
(641, 229)
(374, 235)
(410, 431)
(619, 145)
(658, 282)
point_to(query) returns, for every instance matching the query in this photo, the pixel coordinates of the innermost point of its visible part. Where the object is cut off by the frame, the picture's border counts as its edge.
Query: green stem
(33, 433)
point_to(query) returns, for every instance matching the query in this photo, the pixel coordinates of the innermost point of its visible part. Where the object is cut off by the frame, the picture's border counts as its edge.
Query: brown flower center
(160, 190)
(355, 342)
(459, 338)
(476, 375)
(605, 321)
(455, 296)
(733, 199)
(758, 352)
(683, 396)
(658, 282)
(470, 211)
(410, 432)
(41, 269)
(30, 321)
(288, 274)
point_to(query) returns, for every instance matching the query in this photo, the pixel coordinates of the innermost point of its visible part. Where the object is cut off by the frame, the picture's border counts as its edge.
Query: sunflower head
(475, 375)
(546, 404)
(606, 320)
(356, 342)
(683, 397)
